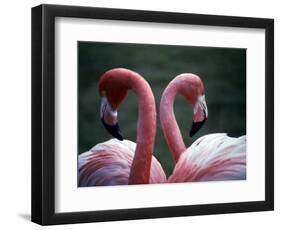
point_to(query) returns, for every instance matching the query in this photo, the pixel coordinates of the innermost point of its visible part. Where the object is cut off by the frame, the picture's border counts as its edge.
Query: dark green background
(223, 71)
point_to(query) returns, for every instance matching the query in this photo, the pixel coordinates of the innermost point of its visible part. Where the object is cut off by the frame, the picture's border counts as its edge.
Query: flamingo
(118, 161)
(212, 157)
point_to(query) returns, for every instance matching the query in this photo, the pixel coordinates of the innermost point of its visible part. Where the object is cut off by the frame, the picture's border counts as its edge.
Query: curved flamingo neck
(187, 85)
(146, 127)
(168, 121)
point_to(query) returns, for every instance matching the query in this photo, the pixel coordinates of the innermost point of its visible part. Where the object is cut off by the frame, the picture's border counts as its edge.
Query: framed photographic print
(141, 114)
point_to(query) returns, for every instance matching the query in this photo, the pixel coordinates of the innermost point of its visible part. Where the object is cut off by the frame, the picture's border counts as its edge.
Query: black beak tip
(119, 137)
(114, 130)
(196, 126)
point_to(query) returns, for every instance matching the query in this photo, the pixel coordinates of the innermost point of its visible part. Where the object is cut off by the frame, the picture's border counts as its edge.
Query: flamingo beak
(200, 115)
(109, 119)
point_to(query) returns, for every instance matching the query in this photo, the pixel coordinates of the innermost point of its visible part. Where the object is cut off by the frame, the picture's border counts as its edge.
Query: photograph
(156, 114)
(143, 113)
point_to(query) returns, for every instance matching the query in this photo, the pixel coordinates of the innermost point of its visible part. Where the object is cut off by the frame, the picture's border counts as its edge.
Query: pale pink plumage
(212, 157)
(109, 163)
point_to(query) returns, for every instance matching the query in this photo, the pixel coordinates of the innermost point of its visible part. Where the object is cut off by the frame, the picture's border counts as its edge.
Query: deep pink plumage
(212, 157)
(123, 162)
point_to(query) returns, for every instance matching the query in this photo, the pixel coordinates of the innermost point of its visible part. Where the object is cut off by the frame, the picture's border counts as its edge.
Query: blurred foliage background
(223, 71)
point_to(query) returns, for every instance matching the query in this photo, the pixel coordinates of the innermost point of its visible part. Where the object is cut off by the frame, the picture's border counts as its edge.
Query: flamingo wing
(109, 163)
(213, 157)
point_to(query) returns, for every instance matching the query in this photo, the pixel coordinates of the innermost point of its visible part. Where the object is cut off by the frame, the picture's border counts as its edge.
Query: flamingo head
(112, 90)
(192, 88)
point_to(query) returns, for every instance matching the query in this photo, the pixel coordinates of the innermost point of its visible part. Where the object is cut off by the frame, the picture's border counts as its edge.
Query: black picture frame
(43, 110)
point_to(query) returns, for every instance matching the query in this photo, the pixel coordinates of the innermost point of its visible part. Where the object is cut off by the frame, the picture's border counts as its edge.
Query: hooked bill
(114, 130)
(109, 119)
(200, 115)
(195, 127)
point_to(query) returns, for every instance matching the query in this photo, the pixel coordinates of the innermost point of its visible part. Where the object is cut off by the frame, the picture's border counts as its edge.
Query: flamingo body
(109, 163)
(212, 157)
